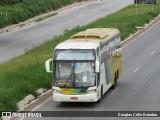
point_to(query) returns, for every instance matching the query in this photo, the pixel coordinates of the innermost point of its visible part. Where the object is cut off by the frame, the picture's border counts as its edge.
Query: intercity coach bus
(86, 66)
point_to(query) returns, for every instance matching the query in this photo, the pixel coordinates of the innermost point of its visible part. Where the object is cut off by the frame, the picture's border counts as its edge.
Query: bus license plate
(74, 98)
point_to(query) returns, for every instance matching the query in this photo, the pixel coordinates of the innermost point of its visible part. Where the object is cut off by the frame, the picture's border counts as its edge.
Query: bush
(10, 1)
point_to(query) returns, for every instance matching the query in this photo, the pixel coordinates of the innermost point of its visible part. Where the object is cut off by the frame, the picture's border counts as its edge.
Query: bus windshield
(74, 74)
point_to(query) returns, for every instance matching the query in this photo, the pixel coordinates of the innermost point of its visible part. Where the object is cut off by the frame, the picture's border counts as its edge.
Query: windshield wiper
(70, 77)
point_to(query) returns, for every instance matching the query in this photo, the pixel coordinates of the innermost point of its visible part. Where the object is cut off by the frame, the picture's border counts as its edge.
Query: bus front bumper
(75, 98)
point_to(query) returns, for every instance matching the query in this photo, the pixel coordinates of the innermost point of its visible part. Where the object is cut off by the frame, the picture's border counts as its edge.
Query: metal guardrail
(145, 1)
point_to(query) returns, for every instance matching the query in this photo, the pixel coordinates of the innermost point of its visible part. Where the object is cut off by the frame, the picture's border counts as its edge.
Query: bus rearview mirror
(97, 66)
(48, 65)
(118, 53)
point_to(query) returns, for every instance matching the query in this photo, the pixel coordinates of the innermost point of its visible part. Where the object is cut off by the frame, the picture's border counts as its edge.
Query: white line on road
(136, 69)
(152, 53)
(50, 98)
(115, 91)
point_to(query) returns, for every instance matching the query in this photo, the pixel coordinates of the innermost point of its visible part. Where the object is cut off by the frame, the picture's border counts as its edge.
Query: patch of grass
(42, 18)
(25, 74)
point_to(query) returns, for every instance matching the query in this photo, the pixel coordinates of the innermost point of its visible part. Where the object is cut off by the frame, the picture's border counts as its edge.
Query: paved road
(16, 42)
(138, 88)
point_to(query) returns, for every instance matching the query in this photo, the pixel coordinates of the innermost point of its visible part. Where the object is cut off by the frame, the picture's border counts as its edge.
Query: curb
(28, 101)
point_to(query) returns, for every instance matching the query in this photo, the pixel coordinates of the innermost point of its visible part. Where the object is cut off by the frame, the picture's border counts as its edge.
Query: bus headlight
(57, 91)
(91, 91)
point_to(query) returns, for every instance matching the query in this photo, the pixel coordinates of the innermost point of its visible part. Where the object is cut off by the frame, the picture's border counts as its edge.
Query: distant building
(145, 1)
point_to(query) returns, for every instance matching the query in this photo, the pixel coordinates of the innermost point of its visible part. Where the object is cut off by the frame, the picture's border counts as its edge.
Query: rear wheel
(115, 82)
(117, 74)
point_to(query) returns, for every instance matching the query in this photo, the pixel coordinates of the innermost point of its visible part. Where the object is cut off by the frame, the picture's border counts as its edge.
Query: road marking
(136, 69)
(153, 52)
(140, 35)
(115, 91)
(34, 109)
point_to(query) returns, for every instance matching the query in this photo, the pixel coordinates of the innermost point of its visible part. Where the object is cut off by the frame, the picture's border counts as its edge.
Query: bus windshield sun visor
(74, 55)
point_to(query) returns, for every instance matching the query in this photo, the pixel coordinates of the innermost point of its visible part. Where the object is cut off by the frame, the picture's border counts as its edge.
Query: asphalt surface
(138, 88)
(16, 42)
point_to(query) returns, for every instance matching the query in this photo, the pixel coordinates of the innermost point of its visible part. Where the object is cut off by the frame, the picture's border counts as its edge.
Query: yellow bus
(86, 65)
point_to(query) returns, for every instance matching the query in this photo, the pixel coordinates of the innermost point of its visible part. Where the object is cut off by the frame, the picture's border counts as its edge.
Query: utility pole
(136, 6)
(153, 5)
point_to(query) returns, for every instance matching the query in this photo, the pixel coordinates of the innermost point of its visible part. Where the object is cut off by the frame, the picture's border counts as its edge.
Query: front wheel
(100, 99)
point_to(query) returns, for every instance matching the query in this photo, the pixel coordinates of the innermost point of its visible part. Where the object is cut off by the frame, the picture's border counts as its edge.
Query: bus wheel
(115, 82)
(100, 99)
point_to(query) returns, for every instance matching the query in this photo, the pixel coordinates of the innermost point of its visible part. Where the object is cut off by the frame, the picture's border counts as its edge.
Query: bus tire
(115, 82)
(117, 74)
(100, 99)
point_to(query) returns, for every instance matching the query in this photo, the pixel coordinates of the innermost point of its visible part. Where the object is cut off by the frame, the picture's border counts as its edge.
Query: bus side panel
(105, 76)
(113, 65)
(110, 56)
(118, 56)
(105, 73)
(119, 60)
(116, 59)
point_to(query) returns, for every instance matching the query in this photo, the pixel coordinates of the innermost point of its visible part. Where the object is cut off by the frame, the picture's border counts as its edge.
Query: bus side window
(118, 42)
(97, 74)
(97, 51)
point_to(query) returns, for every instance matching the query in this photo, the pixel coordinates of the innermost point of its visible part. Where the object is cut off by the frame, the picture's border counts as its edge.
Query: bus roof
(89, 39)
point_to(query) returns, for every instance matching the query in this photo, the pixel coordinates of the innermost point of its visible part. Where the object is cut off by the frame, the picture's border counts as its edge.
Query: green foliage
(25, 9)
(25, 74)
(9, 1)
